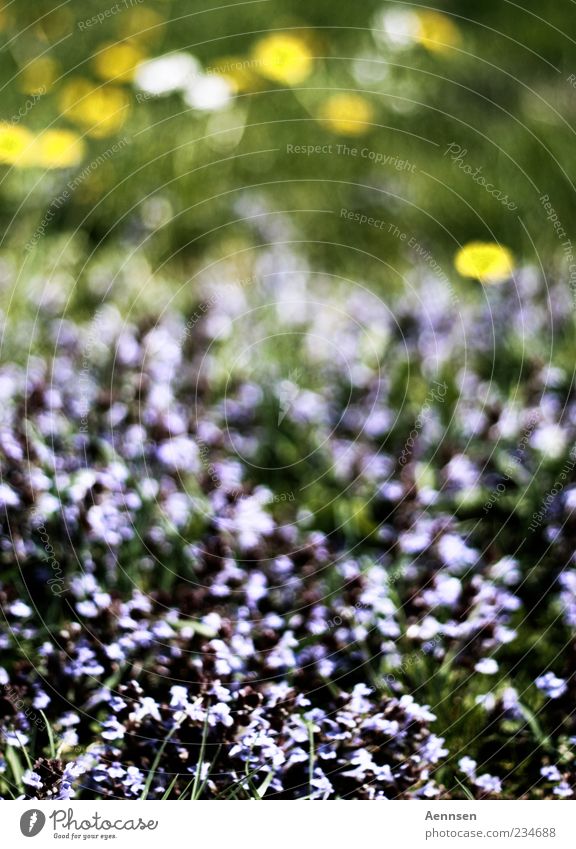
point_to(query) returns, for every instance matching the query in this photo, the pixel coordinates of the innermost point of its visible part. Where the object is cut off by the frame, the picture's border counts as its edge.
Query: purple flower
(563, 790)
(488, 783)
(147, 707)
(552, 686)
(32, 779)
(467, 766)
(113, 730)
(552, 773)
(322, 784)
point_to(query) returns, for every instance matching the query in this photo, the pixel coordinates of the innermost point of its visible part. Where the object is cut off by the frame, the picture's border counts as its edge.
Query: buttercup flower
(38, 75)
(118, 62)
(436, 32)
(101, 110)
(14, 143)
(347, 114)
(56, 149)
(484, 261)
(283, 58)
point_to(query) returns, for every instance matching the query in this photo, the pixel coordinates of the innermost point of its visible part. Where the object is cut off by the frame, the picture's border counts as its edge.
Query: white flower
(208, 93)
(455, 553)
(169, 73)
(467, 766)
(8, 498)
(179, 696)
(18, 608)
(396, 28)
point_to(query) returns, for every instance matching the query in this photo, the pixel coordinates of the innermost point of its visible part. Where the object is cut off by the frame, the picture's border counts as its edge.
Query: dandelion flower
(437, 32)
(283, 58)
(14, 142)
(485, 261)
(56, 149)
(101, 110)
(347, 114)
(118, 62)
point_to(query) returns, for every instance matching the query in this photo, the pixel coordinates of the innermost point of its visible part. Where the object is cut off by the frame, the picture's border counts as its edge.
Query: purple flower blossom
(551, 685)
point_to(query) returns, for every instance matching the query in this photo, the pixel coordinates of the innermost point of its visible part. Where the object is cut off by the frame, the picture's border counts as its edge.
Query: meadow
(287, 409)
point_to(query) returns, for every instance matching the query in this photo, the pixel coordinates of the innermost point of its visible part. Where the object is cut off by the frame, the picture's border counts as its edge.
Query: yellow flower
(283, 58)
(56, 149)
(437, 32)
(118, 62)
(38, 75)
(14, 143)
(485, 261)
(347, 114)
(100, 110)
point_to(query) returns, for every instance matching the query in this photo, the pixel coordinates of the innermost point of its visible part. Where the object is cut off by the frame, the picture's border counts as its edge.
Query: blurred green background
(164, 185)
